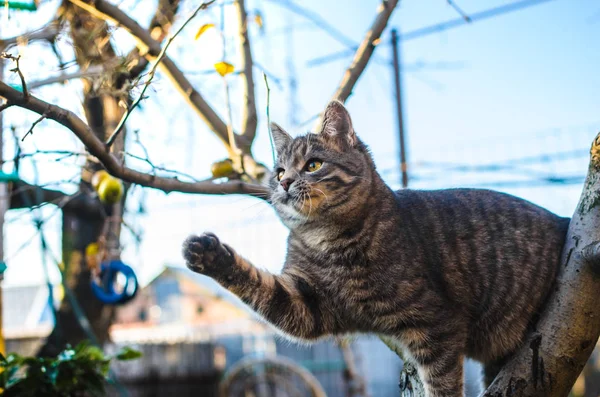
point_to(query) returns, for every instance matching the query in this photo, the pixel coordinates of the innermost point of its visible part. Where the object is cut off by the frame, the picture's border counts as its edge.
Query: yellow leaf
(258, 19)
(224, 68)
(203, 29)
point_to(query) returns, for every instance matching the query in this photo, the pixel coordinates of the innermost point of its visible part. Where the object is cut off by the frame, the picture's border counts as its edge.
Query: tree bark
(552, 356)
(101, 105)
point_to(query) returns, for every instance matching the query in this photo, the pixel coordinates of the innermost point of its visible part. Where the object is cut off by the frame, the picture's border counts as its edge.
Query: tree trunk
(91, 40)
(554, 354)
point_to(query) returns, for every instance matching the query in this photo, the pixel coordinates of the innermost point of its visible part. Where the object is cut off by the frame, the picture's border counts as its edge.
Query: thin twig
(17, 70)
(151, 48)
(152, 72)
(92, 71)
(160, 168)
(136, 235)
(30, 131)
(49, 33)
(270, 75)
(269, 116)
(459, 10)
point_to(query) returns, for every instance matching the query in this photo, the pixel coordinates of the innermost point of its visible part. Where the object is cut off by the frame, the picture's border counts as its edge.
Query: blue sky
(518, 85)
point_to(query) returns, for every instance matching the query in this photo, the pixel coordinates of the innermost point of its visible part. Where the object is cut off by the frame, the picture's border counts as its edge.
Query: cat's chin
(290, 216)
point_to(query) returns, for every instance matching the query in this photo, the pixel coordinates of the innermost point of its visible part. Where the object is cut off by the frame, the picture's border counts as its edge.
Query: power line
(504, 165)
(478, 16)
(437, 28)
(318, 21)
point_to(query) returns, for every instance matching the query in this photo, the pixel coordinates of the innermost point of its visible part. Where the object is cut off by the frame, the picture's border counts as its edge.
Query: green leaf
(75, 371)
(127, 353)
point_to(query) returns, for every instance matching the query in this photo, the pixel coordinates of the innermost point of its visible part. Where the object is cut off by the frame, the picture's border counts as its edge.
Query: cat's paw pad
(206, 254)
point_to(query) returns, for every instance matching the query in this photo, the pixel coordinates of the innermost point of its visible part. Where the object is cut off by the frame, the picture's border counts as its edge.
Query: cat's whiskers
(321, 180)
(322, 192)
(296, 202)
(310, 203)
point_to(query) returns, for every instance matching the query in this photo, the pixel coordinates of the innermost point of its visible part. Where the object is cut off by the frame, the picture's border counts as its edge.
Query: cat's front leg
(441, 373)
(289, 301)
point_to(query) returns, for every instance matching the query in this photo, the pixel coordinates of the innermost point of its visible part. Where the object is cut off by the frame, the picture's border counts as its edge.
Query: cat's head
(321, 176)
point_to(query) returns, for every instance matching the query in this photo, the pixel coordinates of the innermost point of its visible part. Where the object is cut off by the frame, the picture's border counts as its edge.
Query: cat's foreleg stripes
(442, 374)
(288, 301)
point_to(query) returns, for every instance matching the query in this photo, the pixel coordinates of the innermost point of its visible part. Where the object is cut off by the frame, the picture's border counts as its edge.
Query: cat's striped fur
(449, 273)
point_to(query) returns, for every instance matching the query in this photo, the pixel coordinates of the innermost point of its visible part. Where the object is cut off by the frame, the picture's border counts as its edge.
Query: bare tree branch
(151, 49)
(159, 28)
(48, 33)
(249, 118)
(25, 196)
(459, 11)
(95, 70)
(552, 357)
(98, 149)
(159, 58)
(365, 50)
(17, 70)
(30, 131)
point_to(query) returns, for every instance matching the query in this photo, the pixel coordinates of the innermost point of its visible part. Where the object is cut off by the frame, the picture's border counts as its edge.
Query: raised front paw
(205, 254)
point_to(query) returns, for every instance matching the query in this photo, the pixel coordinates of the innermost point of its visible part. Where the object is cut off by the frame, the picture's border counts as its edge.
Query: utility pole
(397, 81)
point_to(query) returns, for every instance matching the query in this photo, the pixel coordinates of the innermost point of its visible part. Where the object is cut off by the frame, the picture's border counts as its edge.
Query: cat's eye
(314, 165)
(280, 173)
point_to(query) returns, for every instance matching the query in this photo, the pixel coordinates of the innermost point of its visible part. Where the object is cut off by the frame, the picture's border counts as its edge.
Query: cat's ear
(281, 139)
(337, 125)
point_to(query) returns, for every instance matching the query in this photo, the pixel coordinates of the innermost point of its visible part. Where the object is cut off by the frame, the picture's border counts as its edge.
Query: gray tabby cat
(448, 274)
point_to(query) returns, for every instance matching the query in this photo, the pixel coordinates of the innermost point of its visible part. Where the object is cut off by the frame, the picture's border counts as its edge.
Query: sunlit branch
(151, 49)
(48, 33)
(92, 71)
(150, 77)
(365, 50)
(159, 28)
(249, 118)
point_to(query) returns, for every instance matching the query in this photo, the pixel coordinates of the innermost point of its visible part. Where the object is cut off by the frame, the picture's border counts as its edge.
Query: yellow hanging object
(91, 255)
(110, 190)
(98, 177)
(203, 29)
(224, 68)
(92, 249)
(258, 19)
(222, 169)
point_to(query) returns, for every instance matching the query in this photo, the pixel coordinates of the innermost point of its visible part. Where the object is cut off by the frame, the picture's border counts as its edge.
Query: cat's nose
(286, 183)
